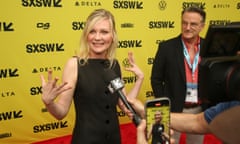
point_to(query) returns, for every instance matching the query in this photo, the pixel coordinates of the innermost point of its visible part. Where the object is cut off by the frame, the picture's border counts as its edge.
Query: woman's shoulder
(71, 62)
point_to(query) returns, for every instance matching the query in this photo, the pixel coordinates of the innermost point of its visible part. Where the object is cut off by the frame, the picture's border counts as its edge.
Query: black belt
(191, 105)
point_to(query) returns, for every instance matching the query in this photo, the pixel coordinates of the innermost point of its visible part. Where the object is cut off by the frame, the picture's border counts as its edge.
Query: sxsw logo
(41, 3)
(201, 5)
(238, 5)
(10, 115)
(5, 135)
(127, 4)
(50, 126)
(130, 44)
(6, 26)
(150, 60)
(130, 79)
(9, 72)
(37, 90)
(161, 24)
(44, 47)
(77, 25)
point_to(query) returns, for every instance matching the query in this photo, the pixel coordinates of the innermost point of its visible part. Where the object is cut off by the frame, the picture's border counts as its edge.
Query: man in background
(175, 68)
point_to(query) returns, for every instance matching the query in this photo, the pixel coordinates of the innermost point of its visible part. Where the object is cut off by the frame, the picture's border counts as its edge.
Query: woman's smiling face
(100, 39)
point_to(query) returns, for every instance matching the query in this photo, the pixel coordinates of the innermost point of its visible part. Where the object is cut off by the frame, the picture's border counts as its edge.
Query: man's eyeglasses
(191, 24)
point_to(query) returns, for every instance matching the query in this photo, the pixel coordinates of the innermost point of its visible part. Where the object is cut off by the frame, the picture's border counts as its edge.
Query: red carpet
(128, 132)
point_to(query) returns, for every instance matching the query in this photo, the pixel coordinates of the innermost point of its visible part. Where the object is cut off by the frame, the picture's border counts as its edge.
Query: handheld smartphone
(158, 120)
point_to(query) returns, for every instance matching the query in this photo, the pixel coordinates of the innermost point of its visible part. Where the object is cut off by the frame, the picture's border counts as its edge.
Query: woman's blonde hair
(93, 18)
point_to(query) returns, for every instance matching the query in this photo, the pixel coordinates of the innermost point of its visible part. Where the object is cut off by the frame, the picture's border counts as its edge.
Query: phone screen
(158, 120)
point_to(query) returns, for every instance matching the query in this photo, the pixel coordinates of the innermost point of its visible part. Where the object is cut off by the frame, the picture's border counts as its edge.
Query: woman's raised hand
(133, 67)
(50, 88)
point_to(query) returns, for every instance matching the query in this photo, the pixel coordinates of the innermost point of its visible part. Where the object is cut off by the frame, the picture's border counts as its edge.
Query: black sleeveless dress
(96, 112)
(157, 132)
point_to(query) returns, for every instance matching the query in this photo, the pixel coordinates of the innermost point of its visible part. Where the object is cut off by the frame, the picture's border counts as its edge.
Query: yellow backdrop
(37, 35)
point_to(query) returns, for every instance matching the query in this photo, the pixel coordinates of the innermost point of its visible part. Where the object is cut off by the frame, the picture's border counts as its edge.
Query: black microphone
(116, 85)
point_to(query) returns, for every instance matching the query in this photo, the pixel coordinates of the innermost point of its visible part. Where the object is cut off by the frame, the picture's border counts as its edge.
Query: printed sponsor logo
(219, 22)
(162, 5)
(159, 41)
(117, 4)
(150, 60)
(50, 126)
(226, 5)
(238, 5)
(126, 62)
(201, 5)
(130, 79)
(88, 3)
(121, 114)
(9, 73)
(43, 25)
(5, 135)
(78, 25)
(45, 47)
(42, 3)
(6, 26)
(7, 94)
(161, 24)
(44, 110)
(4, 116)
(149, 93)
(46, 69)
(130, 44)
(127, 25)
(36, 90)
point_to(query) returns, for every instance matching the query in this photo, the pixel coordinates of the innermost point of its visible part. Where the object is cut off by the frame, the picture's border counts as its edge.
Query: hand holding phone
(158, 120)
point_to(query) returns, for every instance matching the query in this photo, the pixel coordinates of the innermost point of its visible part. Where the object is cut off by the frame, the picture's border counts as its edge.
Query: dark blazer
(168, 72)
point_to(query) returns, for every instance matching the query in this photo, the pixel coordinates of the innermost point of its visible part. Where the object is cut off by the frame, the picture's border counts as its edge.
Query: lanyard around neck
(193, 66)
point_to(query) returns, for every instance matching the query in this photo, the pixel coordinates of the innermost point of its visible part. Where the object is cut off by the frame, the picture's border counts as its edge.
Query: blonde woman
(83, 82)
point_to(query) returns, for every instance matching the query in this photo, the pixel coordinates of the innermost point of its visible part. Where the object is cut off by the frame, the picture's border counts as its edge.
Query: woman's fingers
(42, 79)
(54, 83)
(130, 58)
(63, 87)
(49, 75)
